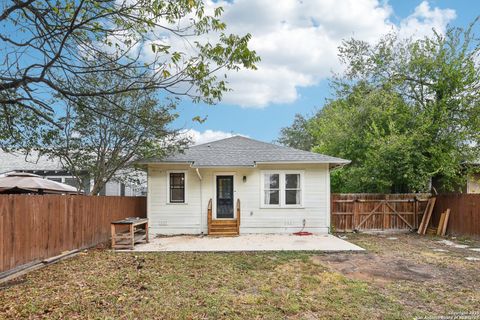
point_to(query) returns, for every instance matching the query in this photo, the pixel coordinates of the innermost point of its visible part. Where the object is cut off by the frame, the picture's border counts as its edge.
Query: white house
(250, 186)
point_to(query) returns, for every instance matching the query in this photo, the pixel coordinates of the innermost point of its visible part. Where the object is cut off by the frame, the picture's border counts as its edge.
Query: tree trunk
(97, 187)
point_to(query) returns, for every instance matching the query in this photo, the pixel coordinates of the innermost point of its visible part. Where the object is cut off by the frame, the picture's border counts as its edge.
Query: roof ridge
(237, 136)
(214, 141)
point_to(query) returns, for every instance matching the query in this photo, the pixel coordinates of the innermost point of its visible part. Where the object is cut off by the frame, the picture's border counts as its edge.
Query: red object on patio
(303, 233)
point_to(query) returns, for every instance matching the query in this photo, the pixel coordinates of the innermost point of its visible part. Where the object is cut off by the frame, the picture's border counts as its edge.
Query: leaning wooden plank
(20, 271)
(440, 224)
(60, 256)
(445, 222)
(427, 215)
(424, 217)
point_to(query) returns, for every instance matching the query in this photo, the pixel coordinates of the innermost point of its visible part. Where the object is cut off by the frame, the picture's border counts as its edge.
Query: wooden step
(225, 222)
(223, 233)
(220, 232)
(223, 227)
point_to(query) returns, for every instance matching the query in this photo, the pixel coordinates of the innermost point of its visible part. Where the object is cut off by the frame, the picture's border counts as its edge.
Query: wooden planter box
(135, 230)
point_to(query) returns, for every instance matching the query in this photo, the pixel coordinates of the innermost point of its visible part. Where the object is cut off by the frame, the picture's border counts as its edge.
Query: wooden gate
(350, 212)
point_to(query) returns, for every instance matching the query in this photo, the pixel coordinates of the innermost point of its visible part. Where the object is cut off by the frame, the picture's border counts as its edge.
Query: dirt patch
(372, 267)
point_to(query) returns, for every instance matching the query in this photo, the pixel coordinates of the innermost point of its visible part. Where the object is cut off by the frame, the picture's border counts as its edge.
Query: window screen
(272, 188)
(177, 187)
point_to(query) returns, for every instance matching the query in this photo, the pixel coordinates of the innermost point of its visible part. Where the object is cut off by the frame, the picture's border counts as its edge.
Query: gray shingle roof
(17, 161)
(239, 151)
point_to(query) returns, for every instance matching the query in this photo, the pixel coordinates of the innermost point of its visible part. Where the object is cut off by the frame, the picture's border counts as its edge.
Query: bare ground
(397, 278)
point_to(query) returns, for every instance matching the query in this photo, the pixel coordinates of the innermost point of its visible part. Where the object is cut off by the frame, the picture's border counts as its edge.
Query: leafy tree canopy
(102, 145)
(49, 49)
(297, 135)
(405, 111)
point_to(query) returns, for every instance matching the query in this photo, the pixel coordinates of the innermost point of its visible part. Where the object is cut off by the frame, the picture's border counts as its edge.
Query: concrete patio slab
(251, 242)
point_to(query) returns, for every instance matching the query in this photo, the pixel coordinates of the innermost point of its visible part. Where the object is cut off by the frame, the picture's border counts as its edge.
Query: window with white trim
(271, 189)
(292, 189)
(282, 189)
(177, 187)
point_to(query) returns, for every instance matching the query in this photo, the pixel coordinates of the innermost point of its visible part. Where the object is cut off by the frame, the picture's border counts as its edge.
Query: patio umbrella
(27, 182)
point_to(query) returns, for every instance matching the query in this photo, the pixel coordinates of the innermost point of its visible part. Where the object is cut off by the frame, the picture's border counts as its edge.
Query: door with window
(224, 197)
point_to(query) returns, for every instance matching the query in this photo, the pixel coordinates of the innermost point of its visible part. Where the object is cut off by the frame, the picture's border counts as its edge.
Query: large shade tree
(405, 112)
(95, 82)
(50, 48)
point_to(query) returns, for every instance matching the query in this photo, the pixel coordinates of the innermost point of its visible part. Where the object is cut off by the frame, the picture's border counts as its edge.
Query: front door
(225, 197)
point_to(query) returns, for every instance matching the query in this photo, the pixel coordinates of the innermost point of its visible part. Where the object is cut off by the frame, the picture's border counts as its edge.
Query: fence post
(415, 212)
(355, 214)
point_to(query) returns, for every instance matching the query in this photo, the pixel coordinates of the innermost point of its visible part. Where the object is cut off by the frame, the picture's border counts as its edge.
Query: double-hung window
(176, 187)
(292, 189)
(271, 189)
(282, 189)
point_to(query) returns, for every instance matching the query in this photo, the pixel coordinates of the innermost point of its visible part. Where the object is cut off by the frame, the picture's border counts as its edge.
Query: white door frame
(214, 213)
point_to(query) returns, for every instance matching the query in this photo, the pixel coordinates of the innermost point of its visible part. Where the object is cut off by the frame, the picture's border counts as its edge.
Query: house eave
(163, 162)
(331, 164)
(303, 162)
(221, 166)
(253, 165)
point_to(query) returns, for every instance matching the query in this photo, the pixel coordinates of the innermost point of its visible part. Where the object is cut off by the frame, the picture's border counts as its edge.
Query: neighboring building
(54, 170)
(280, 189)
(470, 184)
(473, 183)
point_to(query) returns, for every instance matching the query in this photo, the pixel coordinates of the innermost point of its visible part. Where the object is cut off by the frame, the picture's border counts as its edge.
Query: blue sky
(298, 51)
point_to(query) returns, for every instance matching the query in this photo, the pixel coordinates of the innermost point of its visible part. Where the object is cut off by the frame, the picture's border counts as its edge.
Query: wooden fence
(35, 227)
(359, 211)
(464, 213)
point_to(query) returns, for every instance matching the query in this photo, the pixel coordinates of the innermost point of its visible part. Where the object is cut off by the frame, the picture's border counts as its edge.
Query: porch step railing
(222, 227)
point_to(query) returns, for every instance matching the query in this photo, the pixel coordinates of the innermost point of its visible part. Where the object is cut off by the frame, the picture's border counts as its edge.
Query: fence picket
(36, 227)
(350, 212)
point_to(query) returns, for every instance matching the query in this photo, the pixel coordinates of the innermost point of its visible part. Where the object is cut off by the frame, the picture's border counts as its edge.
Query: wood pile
(441, 229)
(442, 225)
(427, 215)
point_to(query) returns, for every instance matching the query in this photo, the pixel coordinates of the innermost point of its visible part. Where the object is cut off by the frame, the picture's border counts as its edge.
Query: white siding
(112, 188)
(178, 218)
(191, 218)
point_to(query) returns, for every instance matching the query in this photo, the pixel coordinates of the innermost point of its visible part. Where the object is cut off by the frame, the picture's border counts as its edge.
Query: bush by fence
(35, 227)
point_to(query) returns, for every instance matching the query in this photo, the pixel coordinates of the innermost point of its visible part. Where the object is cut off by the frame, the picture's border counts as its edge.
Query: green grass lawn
(396, 279)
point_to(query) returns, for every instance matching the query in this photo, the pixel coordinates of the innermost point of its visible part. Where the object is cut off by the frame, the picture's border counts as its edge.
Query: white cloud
(298, 40)
(421, 22)
(207, 136)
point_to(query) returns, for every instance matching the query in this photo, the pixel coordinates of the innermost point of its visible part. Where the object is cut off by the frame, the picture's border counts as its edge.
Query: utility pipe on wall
(201, 199)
